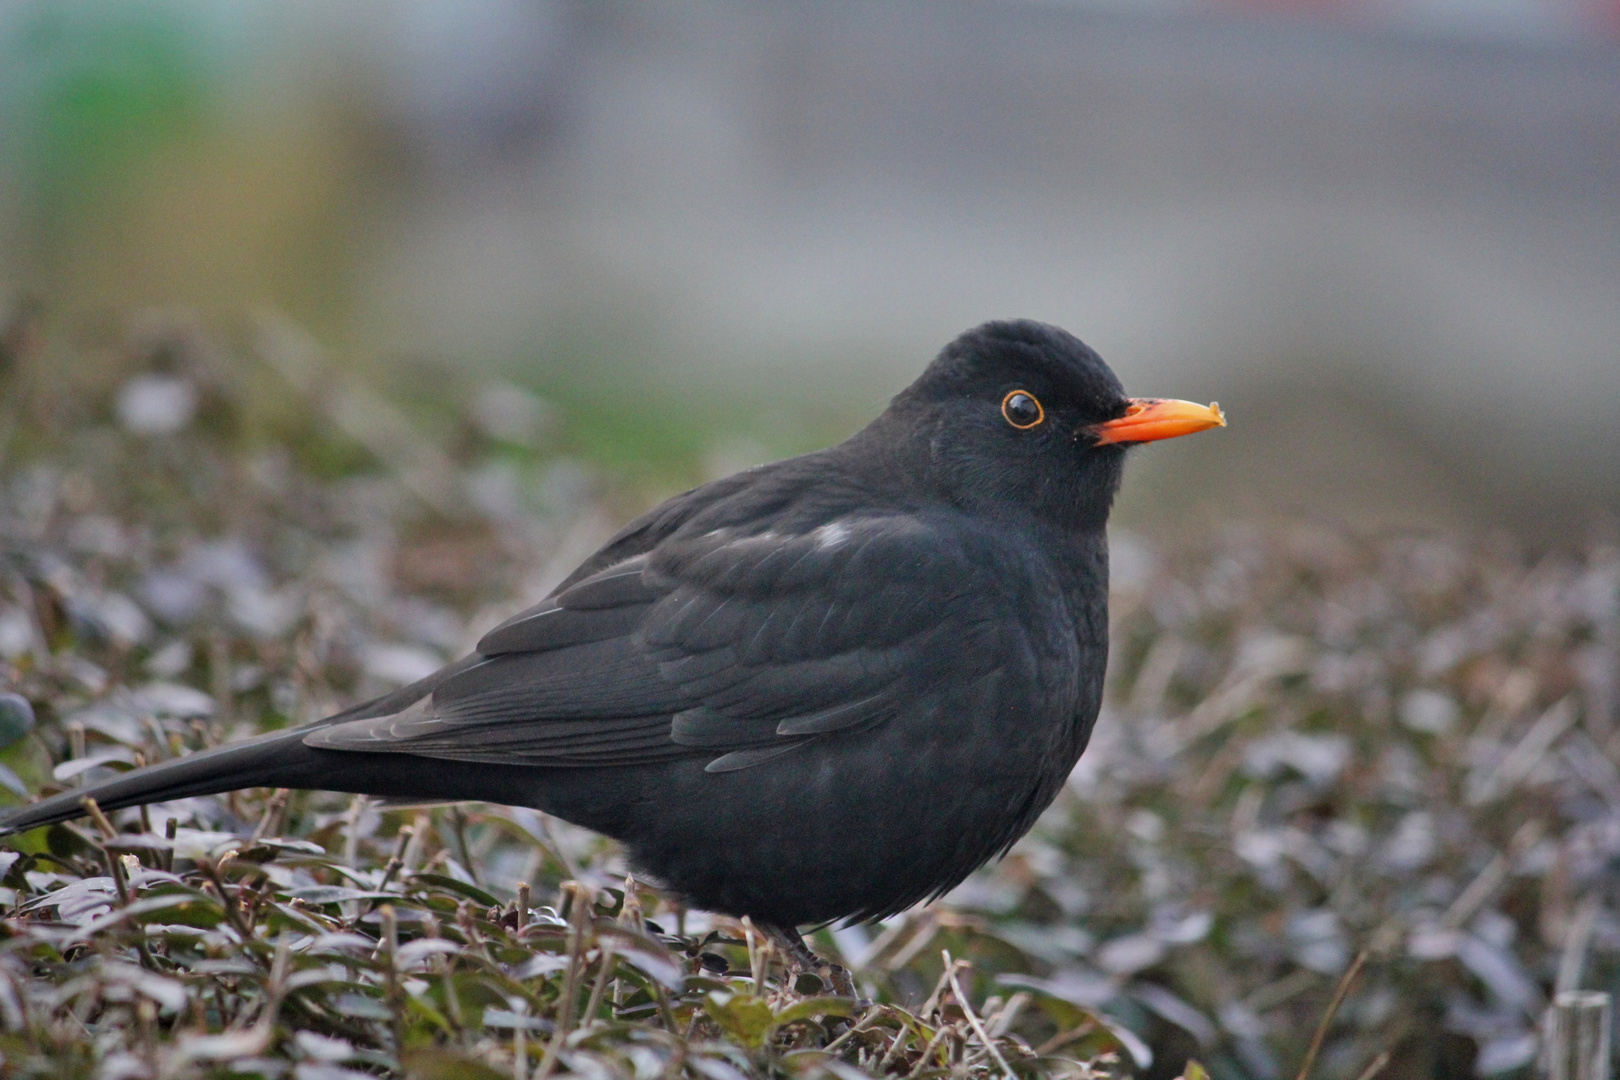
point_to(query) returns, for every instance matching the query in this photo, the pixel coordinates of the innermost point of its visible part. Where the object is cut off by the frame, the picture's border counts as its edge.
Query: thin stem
(973, 1021)
(93, 809)
(1339, 994)
(1376, 1067)
(756, 958)
(272, 812)
(579, 914)
(603, 975)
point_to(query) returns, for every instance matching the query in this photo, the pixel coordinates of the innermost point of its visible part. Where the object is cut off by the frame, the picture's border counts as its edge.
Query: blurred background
(1385, 234)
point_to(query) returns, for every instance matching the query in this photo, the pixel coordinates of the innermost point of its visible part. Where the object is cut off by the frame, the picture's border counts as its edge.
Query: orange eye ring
(1015, 407)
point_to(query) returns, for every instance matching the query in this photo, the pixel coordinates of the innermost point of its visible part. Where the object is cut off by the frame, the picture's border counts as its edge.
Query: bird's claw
(842, 982)
(823, 975)
(801, 958)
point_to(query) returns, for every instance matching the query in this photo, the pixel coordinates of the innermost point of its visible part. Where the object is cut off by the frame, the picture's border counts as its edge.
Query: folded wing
(728, 645)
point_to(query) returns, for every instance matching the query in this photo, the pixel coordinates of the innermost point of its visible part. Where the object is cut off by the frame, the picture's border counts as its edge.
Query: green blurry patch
(103, 87)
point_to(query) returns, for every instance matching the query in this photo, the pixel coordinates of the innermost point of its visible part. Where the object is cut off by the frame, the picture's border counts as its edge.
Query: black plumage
(825, 688)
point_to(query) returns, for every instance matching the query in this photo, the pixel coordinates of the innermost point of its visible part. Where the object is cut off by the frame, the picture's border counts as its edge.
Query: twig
(351, 843)
(395, 861)
(145, 814)
(219, 676)
(115, 870)
(1577, 940)
(605, 972)
(630, 913)
(859, 1026)
(756, 956)
(1524, 756)
(215, 873)
(75, 731)
(421, 826)
(926, 932)
(469, 930)
(676, 1066)
(1273, 994)
(932, 1003)
(666, 1011)
(1064, 1038)
(458, 825)
(446, 972)
(579, 913)
(550, 837)
(973, 1019)
(1339, 994)
(520, 1042)
(928, 1051)
(889, 1054)
(93, 810)
(1476, 893)
(1007, 1015)
(1375, 1067)
(170, 831)
(272, 812)
(390, 948)
(1484, 886)
(886, 940)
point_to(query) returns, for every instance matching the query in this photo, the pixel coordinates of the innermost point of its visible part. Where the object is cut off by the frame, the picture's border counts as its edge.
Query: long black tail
(279, 759)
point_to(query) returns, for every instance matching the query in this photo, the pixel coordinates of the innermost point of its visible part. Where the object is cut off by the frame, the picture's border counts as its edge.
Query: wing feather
(732, 645)
(617, 586)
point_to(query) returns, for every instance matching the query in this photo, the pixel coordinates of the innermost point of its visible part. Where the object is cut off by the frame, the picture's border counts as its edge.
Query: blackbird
(825, 688)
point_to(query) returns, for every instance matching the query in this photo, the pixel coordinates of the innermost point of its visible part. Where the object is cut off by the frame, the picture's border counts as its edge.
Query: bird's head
(1024, 415)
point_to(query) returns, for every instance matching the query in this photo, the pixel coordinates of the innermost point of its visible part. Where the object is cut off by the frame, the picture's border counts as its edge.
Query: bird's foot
(843, 983)
(803, 959)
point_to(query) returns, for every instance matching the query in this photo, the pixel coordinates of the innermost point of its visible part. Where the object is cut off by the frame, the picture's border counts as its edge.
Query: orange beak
(1150, 419)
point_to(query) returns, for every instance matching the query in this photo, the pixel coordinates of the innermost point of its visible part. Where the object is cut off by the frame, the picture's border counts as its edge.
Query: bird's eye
(1022, 410)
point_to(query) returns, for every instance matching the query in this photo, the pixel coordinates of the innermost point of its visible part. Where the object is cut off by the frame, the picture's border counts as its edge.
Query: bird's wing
(738, 646)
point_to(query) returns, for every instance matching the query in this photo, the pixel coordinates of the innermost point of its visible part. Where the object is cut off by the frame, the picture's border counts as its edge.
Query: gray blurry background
(1385, 234)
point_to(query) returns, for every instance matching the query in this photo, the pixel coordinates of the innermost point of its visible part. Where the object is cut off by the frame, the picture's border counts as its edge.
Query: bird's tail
(279, 759)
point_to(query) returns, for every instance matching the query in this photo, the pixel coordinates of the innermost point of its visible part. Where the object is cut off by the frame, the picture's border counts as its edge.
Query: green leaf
(362, 1005)
(335, 894)
(438, 1064)
(461, 888)
(66, 843)
(329, 977)
(202, 913)
(16, 718)
(423, 1009)
(475, 991)
(1066, 1014)
(746, 1019)
(14, 874)
(646, 954)
(810, 1008)
(268, 850)
(279, 917)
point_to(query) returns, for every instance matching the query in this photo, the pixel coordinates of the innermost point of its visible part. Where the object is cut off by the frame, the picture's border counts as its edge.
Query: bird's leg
(803, 958)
